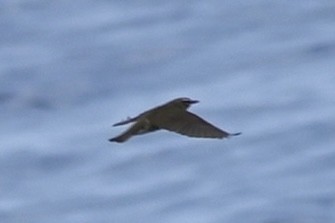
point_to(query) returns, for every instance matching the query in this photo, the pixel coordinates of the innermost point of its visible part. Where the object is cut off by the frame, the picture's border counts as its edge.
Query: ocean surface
(70, 69)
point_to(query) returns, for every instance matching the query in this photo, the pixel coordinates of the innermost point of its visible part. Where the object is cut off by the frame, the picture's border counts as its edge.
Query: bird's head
(183, 103)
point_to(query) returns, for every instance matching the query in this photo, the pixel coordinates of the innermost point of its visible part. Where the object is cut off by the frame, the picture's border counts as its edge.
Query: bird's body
(172, 116)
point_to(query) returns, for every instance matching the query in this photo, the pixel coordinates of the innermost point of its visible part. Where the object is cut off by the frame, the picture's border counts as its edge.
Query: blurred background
(70, 69)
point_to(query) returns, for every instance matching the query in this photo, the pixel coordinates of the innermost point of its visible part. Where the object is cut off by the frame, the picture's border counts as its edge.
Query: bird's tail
(133, 130)
(121, 138)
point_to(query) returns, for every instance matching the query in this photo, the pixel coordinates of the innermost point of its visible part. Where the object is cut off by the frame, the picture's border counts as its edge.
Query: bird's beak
(194, 101)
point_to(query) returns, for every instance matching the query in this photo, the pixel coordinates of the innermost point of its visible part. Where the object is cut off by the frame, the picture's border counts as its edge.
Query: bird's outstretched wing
(189, 124)
(128, 120)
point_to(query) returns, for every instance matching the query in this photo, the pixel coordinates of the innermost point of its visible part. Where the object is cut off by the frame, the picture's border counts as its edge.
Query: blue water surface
(70, 69)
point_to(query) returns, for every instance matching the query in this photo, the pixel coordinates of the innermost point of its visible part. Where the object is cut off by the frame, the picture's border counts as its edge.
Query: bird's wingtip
(235, 134)
(128, 120)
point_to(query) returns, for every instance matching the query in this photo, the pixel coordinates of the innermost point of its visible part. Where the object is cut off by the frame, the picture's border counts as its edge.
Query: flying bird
(172, 116)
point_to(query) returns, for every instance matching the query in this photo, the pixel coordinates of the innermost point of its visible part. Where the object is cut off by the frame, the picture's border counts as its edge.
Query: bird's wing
(189, 124)
(128, 120)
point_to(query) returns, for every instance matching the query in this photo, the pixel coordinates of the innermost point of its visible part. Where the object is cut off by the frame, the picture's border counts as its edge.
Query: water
(70, 69)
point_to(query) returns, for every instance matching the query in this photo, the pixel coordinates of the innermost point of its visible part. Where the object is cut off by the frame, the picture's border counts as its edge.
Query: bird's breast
(146, 126)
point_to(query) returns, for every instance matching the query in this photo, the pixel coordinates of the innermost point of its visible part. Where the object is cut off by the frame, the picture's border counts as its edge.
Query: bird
(172, 116)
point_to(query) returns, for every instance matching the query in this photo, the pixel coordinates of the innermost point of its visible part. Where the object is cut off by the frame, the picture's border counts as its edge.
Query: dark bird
(172, 116)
